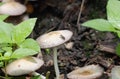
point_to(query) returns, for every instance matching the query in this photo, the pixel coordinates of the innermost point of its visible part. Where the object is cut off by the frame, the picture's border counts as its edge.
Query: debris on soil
(86, 47)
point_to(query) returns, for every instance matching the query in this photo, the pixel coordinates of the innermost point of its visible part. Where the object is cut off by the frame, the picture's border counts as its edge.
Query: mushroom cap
(7, 0)
(115, 72)
(54, 38)
(87, 72)
(24, 66)
(12, 8)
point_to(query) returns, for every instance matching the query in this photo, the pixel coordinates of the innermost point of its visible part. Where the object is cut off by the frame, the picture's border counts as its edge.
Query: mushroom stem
(56, 63)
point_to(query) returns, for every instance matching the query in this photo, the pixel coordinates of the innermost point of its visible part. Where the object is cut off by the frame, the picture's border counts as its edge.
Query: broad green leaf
(1, 64)
(118, 49)
(3, 17)
(19, 77)
(4, 45)
(23, 52)
(8, 51)
(23, 30)
(4, 58)
(36, 77)
(113, 13)
(5, 32)
(99, 24)
(1, 3)
(118, 33)
(1, 51)
(30, 44)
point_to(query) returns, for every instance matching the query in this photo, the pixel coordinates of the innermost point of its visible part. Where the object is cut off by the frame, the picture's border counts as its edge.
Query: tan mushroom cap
(12, 8)
(54, 38)
(24, 66)
(87, 72)
(7, 0)
(115, 72)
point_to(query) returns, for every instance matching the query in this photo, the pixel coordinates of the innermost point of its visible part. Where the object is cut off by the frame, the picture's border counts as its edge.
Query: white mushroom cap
(87, 72)
(12, 8)
(24, 66)
(54, 38)
(7, 0)
(115, 72)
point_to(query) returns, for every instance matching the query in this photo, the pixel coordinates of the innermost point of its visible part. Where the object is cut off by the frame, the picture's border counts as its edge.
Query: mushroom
(115, 72)
(52, 40)
(23, 66)
(12, 8)
(7, 0)
(87, 72)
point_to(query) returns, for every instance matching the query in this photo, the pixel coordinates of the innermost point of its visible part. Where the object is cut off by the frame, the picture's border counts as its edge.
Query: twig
(80, 12)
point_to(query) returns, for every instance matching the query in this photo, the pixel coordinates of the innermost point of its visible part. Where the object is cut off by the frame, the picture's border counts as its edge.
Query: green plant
(112, 24)
(14, 43)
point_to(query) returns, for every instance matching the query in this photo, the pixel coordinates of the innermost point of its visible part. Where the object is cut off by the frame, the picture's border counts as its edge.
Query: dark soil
(89, 46)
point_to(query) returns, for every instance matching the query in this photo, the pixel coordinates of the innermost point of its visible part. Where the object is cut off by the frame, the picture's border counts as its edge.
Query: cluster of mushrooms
(29, 65)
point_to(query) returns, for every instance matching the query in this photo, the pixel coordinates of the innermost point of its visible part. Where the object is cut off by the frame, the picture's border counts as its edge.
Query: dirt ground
(87, 46)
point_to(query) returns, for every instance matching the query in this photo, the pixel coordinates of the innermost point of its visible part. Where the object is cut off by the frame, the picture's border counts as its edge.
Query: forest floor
(87, 46)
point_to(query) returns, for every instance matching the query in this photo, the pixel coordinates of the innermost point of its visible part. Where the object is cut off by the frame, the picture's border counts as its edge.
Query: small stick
(80, 12)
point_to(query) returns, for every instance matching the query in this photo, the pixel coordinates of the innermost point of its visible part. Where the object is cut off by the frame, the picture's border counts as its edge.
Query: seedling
(14, 41)
(112, 24)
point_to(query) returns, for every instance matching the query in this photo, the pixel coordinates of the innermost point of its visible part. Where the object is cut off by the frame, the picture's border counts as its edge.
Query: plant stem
(47, 75)
(35, 74)
(79, 15)
(6, 76)
(2, 77)
(56, 63)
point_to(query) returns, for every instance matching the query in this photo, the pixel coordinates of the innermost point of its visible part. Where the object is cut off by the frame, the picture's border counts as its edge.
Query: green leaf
(30, 44)
(1, 3)
(23, 52)
(4, 58)
(113, 13)
(118, 49)
(36, 77)
(3, 17)
(118, 33)
(8, 51)
(19, 77)
(23, 30)
(1, 64)
(5, 32)
(99, 24)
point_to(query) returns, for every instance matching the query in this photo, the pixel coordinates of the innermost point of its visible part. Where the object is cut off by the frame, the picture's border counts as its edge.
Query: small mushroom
(12, 8)
(23, 66)
(52, 40)
(69, 45)
(87, 72)
(115, 72)
(7, 0)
